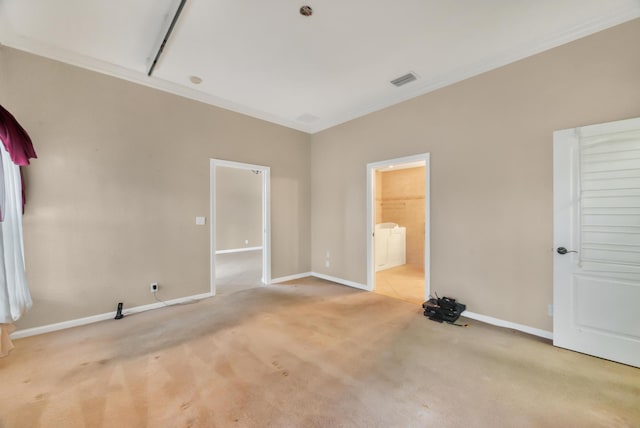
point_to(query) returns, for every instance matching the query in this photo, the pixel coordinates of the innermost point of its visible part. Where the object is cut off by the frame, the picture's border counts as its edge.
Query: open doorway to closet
(398, 226)
(240, 249)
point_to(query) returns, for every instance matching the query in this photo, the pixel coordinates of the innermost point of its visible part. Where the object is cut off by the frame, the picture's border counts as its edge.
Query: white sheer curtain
(15, 298)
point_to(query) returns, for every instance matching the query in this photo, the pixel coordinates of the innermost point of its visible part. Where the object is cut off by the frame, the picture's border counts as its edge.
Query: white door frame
(266, 217)
(371, 219)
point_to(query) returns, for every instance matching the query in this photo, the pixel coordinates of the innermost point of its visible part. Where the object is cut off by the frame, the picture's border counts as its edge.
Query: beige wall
(402, 202)
(490, 139)
(123, 171)
(238, 208)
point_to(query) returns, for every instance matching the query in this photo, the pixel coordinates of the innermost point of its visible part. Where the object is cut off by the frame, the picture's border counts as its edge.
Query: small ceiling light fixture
(195, 80)
(306, 11)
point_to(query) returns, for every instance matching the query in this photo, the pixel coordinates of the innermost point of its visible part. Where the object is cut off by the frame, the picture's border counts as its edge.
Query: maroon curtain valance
(15, 139)
(18, 144)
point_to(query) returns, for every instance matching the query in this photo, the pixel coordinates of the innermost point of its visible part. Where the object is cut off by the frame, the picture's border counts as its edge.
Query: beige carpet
(312, 354)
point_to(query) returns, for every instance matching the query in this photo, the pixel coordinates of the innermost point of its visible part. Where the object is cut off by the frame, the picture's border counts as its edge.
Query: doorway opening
(398, 248)
(240, 240)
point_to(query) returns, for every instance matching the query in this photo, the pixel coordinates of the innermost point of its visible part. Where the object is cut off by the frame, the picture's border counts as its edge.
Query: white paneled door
(597, 240)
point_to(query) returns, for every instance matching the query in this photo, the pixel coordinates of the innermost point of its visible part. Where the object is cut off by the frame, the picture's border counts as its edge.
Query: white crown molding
(616, 17)
(140, 78)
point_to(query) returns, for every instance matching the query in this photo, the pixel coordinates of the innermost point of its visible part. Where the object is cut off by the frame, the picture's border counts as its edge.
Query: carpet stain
(326, 356)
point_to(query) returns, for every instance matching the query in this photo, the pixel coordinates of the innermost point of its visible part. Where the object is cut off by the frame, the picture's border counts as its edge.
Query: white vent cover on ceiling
(403, 80)
(307, 118)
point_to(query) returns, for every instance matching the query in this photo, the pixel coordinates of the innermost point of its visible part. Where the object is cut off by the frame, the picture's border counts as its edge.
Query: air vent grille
(307, 118)
(403, 80)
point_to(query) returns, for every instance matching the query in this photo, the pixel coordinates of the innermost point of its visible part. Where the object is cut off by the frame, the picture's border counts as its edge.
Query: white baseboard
(508, 324)
(472, 315)
(238, 250)
(137, 309)
(321, 276)
(290, 277)
(18, 334)
(340, 281)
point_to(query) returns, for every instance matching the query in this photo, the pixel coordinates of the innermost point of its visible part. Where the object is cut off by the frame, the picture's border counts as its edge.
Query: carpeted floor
(238, 271)
(306, 354)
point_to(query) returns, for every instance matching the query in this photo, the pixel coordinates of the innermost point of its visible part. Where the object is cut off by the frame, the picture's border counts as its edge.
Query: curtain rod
(166, 36)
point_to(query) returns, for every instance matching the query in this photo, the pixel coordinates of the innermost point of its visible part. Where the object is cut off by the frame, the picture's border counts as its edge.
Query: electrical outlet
(327, 263)
(153, 287)
(550, 309)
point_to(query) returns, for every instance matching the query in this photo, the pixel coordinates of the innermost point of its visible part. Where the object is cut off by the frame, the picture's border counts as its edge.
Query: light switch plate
(200, 221)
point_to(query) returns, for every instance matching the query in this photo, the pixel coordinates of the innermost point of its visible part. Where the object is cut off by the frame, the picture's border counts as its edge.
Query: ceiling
(266, 60)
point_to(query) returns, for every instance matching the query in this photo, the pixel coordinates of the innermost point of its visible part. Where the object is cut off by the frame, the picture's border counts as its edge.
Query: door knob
(562, 250)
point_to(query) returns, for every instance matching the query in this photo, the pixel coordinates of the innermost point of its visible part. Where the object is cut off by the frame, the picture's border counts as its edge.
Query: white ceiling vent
(307, 118)
(403, 80)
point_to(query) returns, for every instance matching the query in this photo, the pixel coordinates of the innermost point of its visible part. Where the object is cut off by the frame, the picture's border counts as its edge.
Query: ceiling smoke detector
(306, 11)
